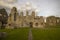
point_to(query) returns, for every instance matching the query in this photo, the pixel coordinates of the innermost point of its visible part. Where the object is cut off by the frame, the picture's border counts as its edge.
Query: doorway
(31, 24)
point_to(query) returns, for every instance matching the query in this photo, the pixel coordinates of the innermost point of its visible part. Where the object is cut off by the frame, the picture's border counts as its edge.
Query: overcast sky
(44, 7)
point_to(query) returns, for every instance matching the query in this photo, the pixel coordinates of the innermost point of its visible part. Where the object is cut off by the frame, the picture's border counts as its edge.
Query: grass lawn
(16, 34)
(38, 34)
(46, 34)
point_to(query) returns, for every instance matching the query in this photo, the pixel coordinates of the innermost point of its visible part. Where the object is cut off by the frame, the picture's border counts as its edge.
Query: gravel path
(30, 34)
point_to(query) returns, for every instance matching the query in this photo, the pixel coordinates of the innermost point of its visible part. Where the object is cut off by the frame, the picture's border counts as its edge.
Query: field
(46, 34)
(16, 34)
(37, 34)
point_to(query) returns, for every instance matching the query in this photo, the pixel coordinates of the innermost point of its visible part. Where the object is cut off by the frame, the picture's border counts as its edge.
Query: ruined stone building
(58, 20)
(15, 20)
(52, 20)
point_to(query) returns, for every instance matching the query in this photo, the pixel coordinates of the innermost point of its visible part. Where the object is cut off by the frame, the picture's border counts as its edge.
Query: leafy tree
(3, 18)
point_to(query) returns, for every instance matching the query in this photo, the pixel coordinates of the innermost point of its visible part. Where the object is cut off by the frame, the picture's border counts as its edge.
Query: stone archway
(31, 24)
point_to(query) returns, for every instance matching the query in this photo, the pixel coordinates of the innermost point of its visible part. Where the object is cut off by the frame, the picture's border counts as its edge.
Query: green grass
(16, 34)
(38, 34)
(46, 34)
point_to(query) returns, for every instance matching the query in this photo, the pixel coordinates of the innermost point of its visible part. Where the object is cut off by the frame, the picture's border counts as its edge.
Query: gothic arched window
(36, 24)
(14, 16)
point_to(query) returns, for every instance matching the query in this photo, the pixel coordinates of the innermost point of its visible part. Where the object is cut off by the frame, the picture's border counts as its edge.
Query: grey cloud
(9, 1)
(46, 7)
(7, 9)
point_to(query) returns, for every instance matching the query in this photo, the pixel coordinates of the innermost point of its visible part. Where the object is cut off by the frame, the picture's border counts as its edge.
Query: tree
(3, 18)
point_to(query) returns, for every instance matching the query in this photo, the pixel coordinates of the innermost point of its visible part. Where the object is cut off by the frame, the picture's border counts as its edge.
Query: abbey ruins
(17, 20)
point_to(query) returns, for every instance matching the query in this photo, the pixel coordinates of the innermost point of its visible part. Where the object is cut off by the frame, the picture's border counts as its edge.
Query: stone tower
(13, 19)
(33, 14)
(21, 19)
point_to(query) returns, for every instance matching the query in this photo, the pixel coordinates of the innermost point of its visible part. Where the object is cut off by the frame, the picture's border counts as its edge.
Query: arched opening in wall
(14, 16)
(36, 24)
(9, 24)
(41, 23)
(31, 24)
